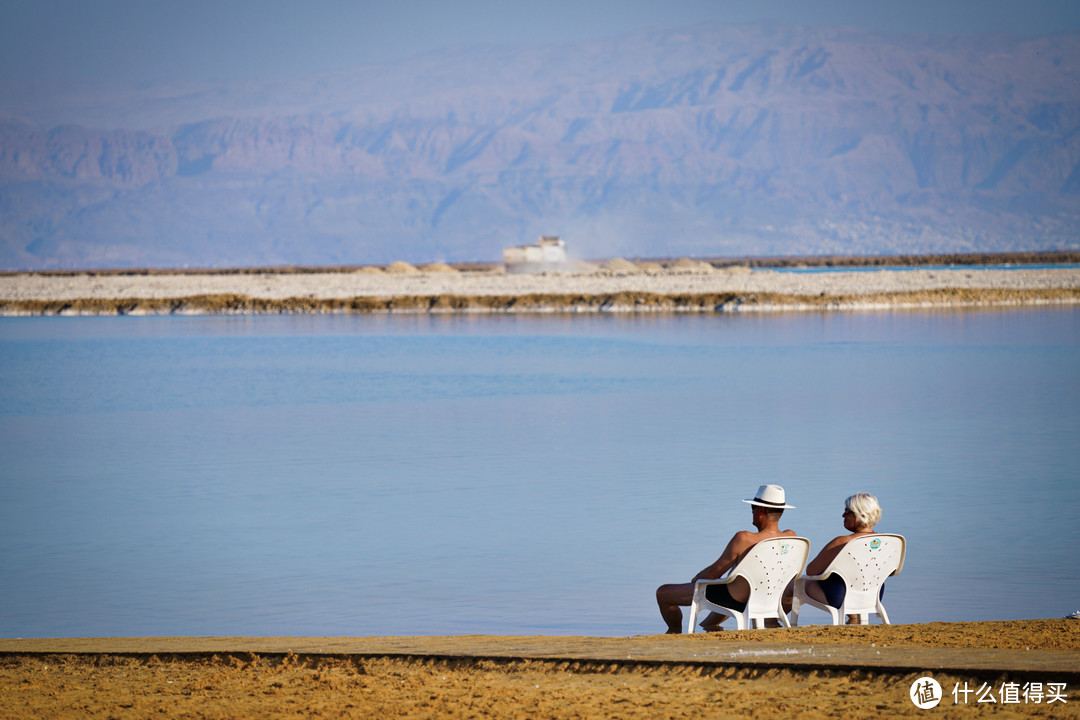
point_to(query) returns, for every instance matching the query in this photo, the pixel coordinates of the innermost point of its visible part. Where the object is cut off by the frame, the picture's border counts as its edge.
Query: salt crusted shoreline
(693, 287)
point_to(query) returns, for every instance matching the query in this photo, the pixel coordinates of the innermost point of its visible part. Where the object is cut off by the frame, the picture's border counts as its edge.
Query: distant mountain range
(710, 141)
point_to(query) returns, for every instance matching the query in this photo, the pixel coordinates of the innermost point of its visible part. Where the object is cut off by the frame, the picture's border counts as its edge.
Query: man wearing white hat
(767, 506)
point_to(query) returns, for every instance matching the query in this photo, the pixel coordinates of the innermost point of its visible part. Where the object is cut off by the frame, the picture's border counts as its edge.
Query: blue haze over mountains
(720, 140)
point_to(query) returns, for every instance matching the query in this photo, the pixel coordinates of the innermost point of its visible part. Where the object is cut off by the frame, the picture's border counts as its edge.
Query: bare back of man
(673, 597)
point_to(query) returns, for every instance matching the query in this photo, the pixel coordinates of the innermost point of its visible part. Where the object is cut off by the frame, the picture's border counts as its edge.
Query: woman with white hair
(861, 514)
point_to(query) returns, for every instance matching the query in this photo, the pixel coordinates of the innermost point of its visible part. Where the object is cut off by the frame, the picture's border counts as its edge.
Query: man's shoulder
(746, 538)
(754, 538)
(767, 535)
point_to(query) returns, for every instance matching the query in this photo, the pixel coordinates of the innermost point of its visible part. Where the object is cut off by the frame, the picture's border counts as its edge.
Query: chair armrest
(800, 582)
(822, 576)
(700, 586)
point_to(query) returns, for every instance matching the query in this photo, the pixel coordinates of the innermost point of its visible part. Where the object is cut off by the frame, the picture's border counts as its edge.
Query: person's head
(864, 511)
(764, 516)
(768, 504)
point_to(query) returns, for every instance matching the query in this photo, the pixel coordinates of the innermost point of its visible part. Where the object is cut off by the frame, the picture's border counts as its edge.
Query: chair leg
(692, 621)
(798, 599)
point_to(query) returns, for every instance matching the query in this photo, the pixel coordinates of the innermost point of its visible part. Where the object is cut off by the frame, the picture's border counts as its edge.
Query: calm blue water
(361, 475)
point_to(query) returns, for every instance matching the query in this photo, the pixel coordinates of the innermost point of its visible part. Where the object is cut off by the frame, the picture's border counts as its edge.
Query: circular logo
(925, 693)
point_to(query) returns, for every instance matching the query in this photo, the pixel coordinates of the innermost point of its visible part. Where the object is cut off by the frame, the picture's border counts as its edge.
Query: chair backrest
(864, 563)
(769, 566)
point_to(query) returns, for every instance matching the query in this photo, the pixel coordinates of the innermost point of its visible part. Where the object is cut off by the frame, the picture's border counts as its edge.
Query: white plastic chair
(864, 564)
(768, 567)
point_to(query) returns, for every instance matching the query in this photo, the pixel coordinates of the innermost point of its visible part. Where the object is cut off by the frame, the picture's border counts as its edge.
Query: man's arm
(735, 549)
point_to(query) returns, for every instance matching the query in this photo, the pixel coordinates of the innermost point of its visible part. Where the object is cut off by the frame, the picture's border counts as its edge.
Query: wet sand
(614, 286)
(812, 672)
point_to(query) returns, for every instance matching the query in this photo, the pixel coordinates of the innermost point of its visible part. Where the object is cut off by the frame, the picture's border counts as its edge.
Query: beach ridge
(1050, 645)
(812, 672)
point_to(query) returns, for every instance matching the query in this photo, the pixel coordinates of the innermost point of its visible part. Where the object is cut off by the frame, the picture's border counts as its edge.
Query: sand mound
(438, 267)
(619, 265)
(400, 268)
(738, 270)
(690, 265)
(580, 267)
(371, 270)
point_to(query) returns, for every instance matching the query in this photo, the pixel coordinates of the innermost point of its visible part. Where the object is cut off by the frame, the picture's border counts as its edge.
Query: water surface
(365, 475)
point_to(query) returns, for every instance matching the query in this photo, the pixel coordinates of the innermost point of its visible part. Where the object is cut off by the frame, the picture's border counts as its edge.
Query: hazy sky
(147, 40)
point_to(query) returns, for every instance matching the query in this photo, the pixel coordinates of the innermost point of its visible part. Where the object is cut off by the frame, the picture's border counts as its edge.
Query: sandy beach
(612, 286)
(1030, 668)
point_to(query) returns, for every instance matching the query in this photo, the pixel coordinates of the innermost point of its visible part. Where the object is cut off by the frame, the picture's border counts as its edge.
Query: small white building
(547, 253)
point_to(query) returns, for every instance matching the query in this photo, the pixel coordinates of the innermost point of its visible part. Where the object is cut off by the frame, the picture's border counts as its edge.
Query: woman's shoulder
(840, 540)
(845, 539)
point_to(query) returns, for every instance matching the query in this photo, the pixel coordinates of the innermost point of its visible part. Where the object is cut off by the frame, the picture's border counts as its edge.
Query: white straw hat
(771, 496)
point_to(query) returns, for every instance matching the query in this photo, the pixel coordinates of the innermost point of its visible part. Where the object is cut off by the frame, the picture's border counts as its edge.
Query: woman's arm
(827, 555)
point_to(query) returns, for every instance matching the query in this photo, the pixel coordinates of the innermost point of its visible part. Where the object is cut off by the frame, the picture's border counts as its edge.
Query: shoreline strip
(618, 302)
